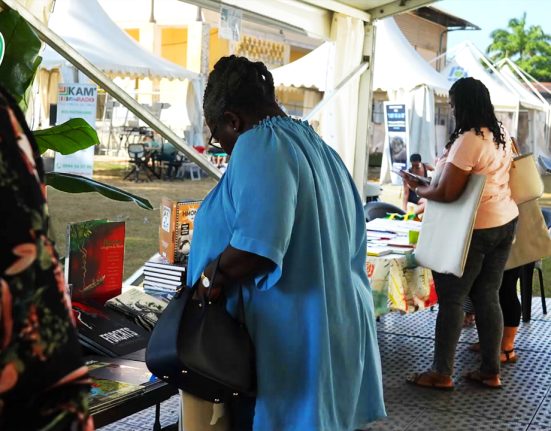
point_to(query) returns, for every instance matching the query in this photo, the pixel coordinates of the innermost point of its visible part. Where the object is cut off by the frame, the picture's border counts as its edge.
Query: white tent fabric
(338, 119)
(309, 71)
(88, 29)
(398, 66)
(466, 62)
(527, 98)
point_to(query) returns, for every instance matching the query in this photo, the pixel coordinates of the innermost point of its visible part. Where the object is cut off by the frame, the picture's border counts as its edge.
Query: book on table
(142, 308)
(95, 251)
(159, 264)
(176, 229)
(115, 380)
(106, 332)
(378, 251)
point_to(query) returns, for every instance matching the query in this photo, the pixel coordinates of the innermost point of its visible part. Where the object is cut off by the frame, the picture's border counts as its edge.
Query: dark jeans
(481, 281)
(508, 298)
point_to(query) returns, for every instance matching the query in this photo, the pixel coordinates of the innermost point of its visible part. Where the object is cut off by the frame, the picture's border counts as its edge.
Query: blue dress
(287, 196)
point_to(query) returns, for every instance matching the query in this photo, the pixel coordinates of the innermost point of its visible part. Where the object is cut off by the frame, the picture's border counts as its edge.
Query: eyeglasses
(213, 142)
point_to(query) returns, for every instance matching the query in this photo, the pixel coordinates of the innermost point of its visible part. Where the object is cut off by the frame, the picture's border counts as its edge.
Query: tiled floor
(406, 343)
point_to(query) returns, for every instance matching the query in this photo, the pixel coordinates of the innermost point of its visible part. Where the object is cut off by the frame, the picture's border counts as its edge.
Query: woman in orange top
(478, 145)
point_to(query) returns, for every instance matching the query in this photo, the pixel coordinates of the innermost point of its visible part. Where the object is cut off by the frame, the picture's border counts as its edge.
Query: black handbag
(200, 348)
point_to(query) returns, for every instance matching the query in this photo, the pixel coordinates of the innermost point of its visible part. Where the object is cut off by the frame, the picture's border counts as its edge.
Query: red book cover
(96, 259)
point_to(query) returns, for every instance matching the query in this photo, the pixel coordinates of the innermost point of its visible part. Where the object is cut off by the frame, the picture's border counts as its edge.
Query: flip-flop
(483, 380)
(510, 356)
(431, 381)
(474, 347)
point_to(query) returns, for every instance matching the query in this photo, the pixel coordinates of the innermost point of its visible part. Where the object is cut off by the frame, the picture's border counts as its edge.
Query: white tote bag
(447, 230)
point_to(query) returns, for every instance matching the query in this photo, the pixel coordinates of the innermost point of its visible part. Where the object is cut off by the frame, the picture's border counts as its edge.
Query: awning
(86, 27)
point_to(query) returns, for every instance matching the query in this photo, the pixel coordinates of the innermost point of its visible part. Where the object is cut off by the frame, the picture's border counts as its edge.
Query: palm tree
(529, 47)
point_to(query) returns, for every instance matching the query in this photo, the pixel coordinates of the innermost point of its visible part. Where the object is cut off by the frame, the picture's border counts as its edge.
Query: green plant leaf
(71, 183)
(20, 59)
(67, 138)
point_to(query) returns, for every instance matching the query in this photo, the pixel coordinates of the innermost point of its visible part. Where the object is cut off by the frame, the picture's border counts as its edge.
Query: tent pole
(330, 95)
(96, 75)
(364, 125)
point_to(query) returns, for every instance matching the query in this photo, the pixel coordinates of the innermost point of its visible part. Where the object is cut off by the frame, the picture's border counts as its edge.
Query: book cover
(96, 259)
(142, 308)
(106, 331)
(176, 230)
(114, 380)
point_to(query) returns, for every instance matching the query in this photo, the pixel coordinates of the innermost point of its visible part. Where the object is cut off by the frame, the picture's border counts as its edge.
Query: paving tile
(543, 415)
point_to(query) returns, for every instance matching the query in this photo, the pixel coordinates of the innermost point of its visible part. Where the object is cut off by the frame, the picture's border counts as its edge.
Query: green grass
(142, 239)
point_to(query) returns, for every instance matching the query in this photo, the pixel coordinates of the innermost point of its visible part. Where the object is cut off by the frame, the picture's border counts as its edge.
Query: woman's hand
(214, 290)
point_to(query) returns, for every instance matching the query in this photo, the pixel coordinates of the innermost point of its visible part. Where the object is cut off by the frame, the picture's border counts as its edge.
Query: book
(95, 259)
(106, 332)
(138, 306)
(378, 251)
(176, 229)
(403, 173)
(162, 294)
(165, 268)
(176, 283)
(114, 380)
(160, 286)
(163, 276)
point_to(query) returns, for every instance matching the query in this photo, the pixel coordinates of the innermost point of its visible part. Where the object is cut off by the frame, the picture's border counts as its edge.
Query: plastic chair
(137, 155)
(373, 210)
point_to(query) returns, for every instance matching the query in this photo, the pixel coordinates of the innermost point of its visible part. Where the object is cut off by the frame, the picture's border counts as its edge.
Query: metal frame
(100, 78)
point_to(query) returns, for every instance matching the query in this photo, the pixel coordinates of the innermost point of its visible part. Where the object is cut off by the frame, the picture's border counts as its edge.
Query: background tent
(88, 29)
(523, 114)
(393, 53)
(406, 77)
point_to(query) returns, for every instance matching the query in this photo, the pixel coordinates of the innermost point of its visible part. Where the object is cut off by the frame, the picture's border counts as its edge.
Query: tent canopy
(392, 52)
(399, 66)
(466, 62)
(85, 26)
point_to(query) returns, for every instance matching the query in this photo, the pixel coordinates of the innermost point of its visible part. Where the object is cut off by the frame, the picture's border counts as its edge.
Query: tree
(529, 47)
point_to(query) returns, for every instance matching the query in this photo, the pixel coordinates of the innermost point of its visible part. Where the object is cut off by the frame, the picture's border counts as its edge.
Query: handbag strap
(514, 146)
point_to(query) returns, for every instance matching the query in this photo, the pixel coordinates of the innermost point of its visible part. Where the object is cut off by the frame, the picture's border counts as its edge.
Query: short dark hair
(473, 109)
(237, 84)
(415, 157)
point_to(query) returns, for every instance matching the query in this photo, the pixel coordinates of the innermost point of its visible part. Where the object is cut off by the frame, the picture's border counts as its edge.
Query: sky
(492, 14)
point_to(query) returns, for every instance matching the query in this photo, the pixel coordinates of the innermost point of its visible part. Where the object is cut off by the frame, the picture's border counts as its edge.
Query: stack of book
(163, 278)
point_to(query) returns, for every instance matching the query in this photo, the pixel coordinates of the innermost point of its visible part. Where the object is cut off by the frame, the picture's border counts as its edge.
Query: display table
(399, 285)
(154, 394)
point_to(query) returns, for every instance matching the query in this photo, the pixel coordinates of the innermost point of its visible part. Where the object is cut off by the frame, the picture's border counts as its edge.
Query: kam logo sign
(2, 48)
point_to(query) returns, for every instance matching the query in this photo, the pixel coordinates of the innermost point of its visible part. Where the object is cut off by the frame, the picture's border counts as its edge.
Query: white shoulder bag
(447, 230)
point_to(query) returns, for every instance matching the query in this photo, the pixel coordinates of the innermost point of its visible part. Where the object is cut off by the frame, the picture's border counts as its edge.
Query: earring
(235, 129)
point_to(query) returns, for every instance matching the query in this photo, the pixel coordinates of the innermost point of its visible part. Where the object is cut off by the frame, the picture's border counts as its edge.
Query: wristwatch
(205, 281)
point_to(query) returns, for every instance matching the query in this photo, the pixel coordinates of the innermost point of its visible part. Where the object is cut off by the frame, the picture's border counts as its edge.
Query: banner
(397, 137)
(76, 101)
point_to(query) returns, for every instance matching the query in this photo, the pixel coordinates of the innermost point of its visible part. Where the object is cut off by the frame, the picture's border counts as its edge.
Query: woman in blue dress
(288, 225)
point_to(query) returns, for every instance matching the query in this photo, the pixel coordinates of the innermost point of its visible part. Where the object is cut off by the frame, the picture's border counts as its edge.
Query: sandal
(510, 356)
(469, 320)
(490, 381)
(431, 380)
(475, 347)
